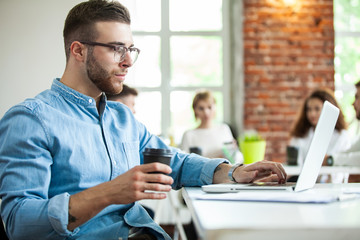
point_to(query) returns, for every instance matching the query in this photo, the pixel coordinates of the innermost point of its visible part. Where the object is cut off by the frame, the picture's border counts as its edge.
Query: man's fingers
(282, 170)
(262, 174)
(157, 187)
(156, 167)
(264, 166)
(150, 195)
(158, 178)
(154, 195)
(271, 178)
(263, 169)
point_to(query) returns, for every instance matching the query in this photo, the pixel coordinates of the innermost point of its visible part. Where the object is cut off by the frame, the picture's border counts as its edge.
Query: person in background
(350, 157)
(211, 139)
(126, 96)
(71, 163)
(303, 129)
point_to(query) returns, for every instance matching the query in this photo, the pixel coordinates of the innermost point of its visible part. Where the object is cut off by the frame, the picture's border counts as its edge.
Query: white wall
(31, 47)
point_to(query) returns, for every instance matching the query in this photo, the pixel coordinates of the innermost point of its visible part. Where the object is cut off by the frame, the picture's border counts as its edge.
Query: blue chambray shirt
(57, 144)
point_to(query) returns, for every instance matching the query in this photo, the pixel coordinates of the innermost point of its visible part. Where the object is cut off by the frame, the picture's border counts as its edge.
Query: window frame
(165, 87)
(340, 88)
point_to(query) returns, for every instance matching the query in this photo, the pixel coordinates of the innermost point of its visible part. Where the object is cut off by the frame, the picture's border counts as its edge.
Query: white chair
(170, 211)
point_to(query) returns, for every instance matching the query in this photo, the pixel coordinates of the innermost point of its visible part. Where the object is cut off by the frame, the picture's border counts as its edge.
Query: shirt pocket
(131, 150)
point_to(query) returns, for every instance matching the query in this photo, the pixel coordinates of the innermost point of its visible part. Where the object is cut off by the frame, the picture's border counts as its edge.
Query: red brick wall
(288, 51)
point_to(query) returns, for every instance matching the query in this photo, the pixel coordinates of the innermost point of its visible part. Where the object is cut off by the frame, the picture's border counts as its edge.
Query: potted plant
(252, 146)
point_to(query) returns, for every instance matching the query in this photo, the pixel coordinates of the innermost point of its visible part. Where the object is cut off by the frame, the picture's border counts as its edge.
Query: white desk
(233, 220)
(340, 173)
(295, 170)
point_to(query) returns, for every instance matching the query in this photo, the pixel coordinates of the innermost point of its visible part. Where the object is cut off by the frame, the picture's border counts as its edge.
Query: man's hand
(262, 170)
(135, 183)
(124, 189)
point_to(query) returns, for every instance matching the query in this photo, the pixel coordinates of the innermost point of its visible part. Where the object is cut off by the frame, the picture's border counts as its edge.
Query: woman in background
(210, 138)
(303, 129)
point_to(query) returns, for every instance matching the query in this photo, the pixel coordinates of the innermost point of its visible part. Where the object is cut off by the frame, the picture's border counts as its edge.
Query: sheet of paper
(271, 196)
(351, 190)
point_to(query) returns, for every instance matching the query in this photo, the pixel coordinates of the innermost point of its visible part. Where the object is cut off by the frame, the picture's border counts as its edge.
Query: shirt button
(90, 100)
(114, 163)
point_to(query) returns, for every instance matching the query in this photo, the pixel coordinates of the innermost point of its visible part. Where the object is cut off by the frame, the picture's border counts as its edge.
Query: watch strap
(231, 171)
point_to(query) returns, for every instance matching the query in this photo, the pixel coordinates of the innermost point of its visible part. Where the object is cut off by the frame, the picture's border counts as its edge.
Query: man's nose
(127, 62)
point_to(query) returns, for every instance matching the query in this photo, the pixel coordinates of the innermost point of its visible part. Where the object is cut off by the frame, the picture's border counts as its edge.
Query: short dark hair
(81, 19)
(126, 91)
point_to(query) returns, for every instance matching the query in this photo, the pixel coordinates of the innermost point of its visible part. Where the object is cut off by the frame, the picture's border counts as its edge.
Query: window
(347, 54)
(183, 47)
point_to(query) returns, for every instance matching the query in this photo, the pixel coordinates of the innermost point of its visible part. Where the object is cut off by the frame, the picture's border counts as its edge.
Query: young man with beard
(71, 161)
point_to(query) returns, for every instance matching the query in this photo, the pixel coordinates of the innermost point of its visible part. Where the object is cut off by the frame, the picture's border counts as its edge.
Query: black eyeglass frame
(117, 49)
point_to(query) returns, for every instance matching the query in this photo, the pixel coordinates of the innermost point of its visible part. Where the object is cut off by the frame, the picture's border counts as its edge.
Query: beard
(100, 76)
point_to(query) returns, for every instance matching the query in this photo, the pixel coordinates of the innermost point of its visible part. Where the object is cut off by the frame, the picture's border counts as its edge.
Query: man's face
(356, 103)
(101, 68)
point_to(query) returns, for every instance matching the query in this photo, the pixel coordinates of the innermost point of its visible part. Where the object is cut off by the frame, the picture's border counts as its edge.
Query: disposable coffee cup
(157, 155)
(196, 150)
(292, 155)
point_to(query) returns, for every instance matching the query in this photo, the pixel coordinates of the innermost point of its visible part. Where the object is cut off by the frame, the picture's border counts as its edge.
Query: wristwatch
(329, 161)
(231, 171)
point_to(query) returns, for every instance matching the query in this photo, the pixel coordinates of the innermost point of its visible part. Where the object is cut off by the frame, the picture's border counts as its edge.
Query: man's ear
(78, 50)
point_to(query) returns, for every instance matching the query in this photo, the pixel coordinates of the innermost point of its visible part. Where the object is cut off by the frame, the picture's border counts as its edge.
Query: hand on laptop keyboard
(260, 171)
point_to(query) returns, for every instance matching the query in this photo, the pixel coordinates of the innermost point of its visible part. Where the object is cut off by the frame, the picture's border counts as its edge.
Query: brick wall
(288, 51)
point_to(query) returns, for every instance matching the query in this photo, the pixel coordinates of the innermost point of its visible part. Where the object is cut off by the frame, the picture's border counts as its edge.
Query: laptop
(312, 164)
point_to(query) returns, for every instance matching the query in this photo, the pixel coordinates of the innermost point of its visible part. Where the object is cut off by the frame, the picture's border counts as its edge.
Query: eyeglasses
(119, 51)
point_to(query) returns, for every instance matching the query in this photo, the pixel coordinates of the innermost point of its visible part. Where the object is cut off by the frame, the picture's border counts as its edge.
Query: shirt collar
(72, 95)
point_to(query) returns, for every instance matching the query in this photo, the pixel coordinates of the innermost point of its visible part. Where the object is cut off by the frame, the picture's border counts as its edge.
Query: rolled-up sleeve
(193, 170)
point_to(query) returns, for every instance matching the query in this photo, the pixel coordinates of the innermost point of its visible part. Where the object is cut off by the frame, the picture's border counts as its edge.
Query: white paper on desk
(308, 196)
(351, 190)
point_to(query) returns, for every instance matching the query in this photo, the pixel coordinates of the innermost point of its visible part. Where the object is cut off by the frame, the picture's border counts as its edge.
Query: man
(351, 157)
(126, 96)
(70, 161)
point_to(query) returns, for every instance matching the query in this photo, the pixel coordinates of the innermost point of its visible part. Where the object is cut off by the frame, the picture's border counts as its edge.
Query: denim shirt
(58, 144)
